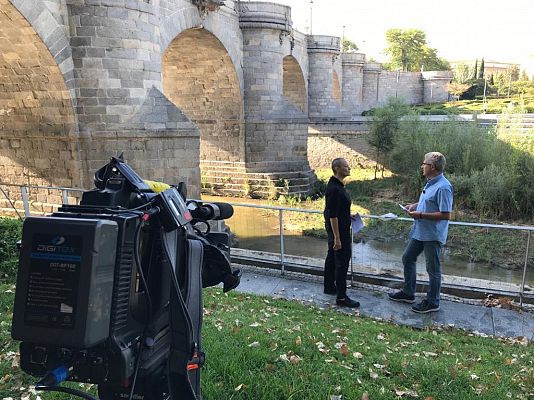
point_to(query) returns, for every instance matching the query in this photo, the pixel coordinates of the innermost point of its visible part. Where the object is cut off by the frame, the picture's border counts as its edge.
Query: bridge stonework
(219, 97)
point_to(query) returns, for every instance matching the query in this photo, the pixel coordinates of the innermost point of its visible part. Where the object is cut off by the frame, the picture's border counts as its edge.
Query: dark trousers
(336, 267)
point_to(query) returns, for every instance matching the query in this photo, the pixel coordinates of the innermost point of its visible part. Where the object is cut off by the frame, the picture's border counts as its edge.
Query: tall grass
(492, 172)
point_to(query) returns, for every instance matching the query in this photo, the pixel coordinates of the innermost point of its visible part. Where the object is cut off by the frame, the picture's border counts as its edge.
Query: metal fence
(270, 226)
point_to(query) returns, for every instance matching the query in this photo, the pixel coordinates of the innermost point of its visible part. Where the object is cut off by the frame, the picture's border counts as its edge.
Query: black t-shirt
(337, 205)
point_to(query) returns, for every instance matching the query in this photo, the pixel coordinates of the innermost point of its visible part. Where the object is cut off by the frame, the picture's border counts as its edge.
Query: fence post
(521, 293)
(281, 223)
(64, 194)
(25, 200)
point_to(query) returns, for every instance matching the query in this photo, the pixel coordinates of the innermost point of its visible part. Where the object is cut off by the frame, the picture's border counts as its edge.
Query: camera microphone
(214, 211)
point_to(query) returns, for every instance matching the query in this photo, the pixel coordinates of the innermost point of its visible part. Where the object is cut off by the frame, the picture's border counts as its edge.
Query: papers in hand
(404, 208)
(357, 223)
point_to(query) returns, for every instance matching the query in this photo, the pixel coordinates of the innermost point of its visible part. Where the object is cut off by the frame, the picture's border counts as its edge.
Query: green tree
(481, 69)
(475, 71)
(385, 123)
(348, 46)
(408, 50)
(462, 73)
(457, 88)
(514, 72)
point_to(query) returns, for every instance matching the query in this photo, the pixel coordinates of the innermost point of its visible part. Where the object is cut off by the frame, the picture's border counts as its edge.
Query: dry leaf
(365, 396)
(294, 359)
(344, 350)
(357, 354)
(373, 374)
(241, 386)
(298, 341)
(254, 344)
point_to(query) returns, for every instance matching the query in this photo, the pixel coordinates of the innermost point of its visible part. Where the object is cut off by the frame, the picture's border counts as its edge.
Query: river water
(257, 230)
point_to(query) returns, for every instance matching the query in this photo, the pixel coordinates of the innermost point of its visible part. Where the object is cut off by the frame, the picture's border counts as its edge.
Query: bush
(10, 233)
(490, 175)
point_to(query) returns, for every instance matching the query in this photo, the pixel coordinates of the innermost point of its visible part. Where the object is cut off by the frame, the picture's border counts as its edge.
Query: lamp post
(311, 17)
(343, 39)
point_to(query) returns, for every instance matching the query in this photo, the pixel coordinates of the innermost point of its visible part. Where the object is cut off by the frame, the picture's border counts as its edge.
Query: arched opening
(200, 79)
(336, 91)
(36, 113)
(294, 86)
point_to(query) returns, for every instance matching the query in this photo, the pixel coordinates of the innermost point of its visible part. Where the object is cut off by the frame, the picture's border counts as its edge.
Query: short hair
(437, 159)
(336, 163)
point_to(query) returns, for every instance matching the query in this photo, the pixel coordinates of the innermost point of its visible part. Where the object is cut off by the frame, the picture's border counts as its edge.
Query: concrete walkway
(375, 304)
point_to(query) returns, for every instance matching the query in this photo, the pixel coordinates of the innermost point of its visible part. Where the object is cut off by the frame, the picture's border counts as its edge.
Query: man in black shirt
(337, 224)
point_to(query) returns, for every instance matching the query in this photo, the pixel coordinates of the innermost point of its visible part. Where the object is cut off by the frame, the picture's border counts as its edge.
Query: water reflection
(259, 230)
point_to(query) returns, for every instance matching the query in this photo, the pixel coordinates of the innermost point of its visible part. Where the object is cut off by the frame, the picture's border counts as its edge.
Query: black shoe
(347, 302)
(425, 307)
(330, 290)
(402, 297)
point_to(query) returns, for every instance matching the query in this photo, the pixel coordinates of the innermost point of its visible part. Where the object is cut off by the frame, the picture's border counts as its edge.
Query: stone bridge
(202, 91)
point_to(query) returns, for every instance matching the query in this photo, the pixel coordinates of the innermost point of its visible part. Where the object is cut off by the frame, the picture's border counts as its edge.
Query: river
(257, 230)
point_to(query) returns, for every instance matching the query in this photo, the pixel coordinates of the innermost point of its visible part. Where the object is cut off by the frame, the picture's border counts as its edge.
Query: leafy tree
(475, 71)
(462, 73)
(523, 76)
(481, 69)
(514, 72)
(385, 123)
(348, 46)
(408, 50)
(457, 89)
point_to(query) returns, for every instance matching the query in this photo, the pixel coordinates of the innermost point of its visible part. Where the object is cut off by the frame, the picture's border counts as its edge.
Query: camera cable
(50, 382)
(149, 306)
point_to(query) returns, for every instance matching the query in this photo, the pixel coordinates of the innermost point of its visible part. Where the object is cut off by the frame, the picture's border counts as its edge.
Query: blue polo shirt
(436, 196)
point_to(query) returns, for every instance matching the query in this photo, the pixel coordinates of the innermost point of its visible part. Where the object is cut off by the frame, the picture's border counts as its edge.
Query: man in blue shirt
(431, 216)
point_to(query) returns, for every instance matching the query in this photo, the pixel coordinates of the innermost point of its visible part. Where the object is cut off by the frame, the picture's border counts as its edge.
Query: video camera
(109, 291)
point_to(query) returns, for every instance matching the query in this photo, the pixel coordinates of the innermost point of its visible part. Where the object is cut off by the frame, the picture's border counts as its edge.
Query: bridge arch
(294, 85)
(200, 78)
(37, 117)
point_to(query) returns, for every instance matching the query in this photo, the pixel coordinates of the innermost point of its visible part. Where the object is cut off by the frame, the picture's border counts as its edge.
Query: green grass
(264, 348)
(493, 106)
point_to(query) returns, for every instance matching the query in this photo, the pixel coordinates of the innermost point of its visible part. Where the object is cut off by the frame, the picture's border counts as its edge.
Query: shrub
(10, 233)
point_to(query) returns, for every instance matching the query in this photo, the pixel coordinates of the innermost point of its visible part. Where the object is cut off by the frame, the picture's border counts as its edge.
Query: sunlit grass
(268, 349)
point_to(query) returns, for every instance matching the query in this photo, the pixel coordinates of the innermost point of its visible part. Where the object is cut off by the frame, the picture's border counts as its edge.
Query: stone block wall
(349, 140)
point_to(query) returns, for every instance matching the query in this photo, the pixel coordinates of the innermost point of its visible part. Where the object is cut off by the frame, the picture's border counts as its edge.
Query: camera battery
(65, 281)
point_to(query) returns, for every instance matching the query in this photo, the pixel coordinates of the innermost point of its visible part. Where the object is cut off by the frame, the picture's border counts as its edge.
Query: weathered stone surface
(231, 91)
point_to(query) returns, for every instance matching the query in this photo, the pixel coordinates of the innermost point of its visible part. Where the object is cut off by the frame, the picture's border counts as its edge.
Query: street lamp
(343, 40)
(311, 17)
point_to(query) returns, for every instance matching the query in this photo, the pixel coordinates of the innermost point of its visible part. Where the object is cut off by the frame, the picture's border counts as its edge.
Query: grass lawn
(263, 348)
(493, 106)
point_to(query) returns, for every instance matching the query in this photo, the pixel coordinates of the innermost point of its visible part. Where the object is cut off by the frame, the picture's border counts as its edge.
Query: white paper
(357, 223)
(388, 216)
(404, 208)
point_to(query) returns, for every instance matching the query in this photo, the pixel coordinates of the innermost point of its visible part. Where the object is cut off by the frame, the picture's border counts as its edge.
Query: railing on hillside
(24, 199)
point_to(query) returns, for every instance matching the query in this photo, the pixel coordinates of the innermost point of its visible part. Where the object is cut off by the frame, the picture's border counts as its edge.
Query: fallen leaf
(365, 396)
(298, 341)
(357, 354)
(372, 374)
(254, 344)
(241, 386)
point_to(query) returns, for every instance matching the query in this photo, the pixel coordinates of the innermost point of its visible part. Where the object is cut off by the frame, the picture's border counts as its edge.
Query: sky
(458, 29)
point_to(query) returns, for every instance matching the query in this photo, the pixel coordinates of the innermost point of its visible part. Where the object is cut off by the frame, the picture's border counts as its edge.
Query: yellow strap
(157, 186)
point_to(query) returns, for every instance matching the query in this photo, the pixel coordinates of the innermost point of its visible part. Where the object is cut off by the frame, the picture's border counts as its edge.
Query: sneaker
(425, 307)
(402, 297)
(330, 290)
(347, 302)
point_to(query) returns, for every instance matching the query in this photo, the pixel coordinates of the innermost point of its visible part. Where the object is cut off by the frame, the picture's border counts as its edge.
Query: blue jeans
(433, 268)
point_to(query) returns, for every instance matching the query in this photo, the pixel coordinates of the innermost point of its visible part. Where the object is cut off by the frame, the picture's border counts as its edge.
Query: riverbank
(503, 249)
